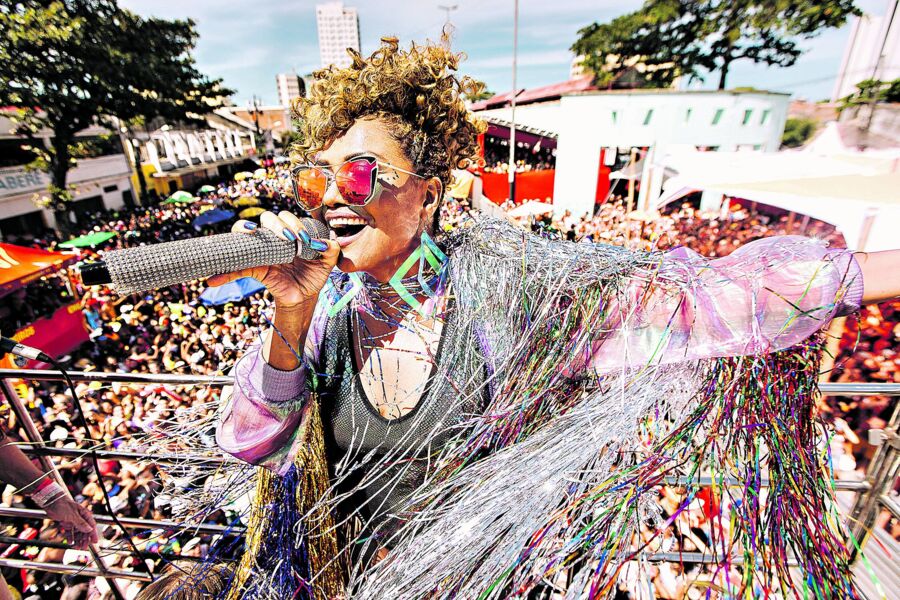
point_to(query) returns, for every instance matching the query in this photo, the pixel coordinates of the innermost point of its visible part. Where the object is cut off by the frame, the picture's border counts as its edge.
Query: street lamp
(448, 9)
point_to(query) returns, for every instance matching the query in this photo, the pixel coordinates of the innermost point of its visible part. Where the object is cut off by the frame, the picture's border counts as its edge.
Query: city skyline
(247, 45)
(337, 28)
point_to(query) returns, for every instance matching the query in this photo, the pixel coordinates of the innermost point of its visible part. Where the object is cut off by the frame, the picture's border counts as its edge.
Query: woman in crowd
(486, 413)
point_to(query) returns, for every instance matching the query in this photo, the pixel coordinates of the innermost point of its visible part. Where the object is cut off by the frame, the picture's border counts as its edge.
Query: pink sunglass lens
(310, 185)
(354, 181)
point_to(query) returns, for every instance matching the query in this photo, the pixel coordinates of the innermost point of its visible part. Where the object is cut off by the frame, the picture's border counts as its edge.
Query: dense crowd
(528, 158)
(172, 331)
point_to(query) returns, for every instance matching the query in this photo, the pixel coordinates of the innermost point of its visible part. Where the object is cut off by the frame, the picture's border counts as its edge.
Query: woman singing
(488, 413)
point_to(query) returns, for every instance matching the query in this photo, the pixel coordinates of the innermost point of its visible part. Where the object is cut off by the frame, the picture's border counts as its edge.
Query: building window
(687, 115)
(765, 117)
(718, 116)
(747, 114)
(648, 117)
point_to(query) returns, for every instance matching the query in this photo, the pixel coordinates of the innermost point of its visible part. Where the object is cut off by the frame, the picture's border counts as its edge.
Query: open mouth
(346, 229)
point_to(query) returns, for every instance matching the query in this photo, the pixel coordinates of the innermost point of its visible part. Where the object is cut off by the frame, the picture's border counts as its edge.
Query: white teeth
(339, 221)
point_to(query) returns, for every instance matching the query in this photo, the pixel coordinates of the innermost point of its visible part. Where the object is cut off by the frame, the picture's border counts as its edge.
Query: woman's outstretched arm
(766, 296)
(881, 275)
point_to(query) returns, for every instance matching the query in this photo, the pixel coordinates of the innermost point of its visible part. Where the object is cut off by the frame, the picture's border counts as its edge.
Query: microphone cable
(10, 346)
(95, 463)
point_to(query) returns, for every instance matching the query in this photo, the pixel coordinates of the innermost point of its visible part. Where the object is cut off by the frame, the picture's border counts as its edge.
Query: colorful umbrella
(253, 211)
(180, 197)
(90, 240)
(247, 201)
(243, 175)
(211, 217)
(231, 291)
(260, 173)
(206, 189)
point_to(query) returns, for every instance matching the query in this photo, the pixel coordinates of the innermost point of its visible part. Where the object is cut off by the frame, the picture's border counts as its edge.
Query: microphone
(160, 265)
(21, 350)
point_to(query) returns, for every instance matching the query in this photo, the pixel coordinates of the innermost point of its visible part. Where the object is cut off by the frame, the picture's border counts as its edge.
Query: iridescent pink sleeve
(766, 296)
(263, 412)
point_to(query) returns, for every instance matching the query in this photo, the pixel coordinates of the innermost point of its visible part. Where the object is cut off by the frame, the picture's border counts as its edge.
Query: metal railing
(874, 494)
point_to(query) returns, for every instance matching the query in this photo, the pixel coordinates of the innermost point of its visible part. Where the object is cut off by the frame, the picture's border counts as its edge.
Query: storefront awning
(20, 265)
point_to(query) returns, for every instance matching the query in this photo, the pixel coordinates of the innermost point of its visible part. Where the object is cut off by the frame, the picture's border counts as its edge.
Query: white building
(99, 183)
(338, 28)
(870, 38)
(595, 127)
(290, 86)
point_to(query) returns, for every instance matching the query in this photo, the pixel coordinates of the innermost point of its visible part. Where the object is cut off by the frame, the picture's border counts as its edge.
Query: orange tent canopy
(20, 265)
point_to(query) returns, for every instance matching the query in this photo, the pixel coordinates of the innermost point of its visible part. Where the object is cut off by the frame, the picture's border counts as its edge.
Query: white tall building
(338, 28)
(290, 86)
(870, 37)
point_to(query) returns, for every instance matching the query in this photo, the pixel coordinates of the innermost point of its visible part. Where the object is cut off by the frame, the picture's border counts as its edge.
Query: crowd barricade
(873, 495)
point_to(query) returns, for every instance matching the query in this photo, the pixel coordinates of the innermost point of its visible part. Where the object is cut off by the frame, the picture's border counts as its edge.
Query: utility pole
(253, 107)
(512, 125)
(889, 18)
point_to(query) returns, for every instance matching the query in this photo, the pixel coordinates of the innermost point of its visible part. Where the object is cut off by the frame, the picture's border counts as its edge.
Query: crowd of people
(172, 331)
(530, 158)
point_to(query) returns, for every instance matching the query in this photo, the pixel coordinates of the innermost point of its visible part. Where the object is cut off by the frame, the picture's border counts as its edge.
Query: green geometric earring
(428, 252)
(341, 302)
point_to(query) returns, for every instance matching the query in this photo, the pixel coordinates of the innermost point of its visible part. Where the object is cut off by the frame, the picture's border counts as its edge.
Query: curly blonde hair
(415, 91)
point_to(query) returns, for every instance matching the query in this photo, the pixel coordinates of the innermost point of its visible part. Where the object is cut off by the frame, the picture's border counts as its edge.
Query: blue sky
(247, 42)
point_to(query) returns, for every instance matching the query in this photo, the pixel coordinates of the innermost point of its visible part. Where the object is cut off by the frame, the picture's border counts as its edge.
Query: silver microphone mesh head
(314, 229)
(161, 265)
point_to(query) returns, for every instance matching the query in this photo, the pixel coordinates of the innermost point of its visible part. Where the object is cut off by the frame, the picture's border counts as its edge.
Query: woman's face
(378, 237)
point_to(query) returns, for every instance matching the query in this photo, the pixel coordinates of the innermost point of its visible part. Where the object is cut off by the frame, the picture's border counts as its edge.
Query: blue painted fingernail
(249, 225)
(289, 234)
(304, 237)
(318, 245)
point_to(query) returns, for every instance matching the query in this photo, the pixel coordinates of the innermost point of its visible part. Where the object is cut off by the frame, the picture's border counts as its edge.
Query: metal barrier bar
(853, 486)
(5, 539)
(891, 505)
(698, 558)
(881, 475)
(827, 389)
(103, 376)
(31, 432)
(883, 471)
(123, 455)
(132, 522)
(106, 573)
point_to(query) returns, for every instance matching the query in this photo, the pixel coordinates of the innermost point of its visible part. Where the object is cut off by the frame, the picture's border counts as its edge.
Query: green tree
(483, 93)
(892, 91)
(671, 38)
(797, 131)
(870, 91)
(70, 64)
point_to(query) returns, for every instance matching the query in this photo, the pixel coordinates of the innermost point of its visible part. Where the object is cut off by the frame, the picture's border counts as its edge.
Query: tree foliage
(69, 64)
(666, 39)
(869, 91)
(482, 93)
(797, 131)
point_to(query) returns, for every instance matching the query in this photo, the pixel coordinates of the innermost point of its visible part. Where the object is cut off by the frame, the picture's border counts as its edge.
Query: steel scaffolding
(872, 495)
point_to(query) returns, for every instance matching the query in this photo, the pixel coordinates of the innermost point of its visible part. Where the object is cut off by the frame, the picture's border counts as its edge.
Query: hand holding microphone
(294, 282)
(291, 256)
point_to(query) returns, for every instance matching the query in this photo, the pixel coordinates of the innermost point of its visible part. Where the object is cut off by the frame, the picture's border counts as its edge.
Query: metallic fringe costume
(557, 479)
